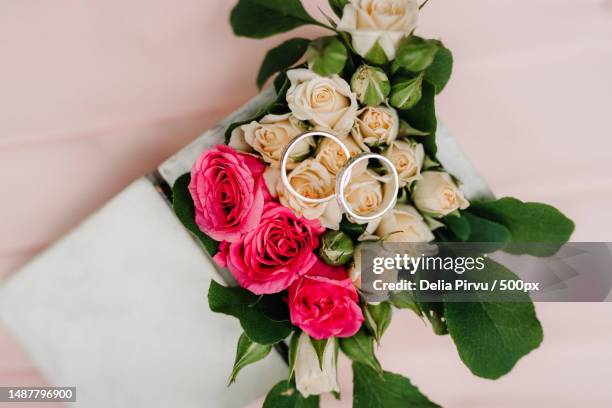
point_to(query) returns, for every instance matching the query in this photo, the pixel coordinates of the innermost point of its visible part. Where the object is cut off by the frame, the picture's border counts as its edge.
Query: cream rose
(269, 136)
(437, 195)
(310, 179)
(312, 378)
(327, 102)
(384, 22)
(366, 194)
(331, 155)
(404, 224)
(375, 125)
(407, 157)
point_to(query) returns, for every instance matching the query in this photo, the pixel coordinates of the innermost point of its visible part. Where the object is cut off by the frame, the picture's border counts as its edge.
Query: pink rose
(324, 303)
(270, 257)
(228, 192)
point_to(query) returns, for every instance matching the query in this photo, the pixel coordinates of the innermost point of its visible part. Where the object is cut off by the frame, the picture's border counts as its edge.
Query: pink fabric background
(95, 94)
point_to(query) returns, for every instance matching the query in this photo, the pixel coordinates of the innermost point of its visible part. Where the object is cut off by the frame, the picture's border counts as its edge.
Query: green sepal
(319, 347)
(360, 349)
(376, 55)
(377, 318)
(294, 348)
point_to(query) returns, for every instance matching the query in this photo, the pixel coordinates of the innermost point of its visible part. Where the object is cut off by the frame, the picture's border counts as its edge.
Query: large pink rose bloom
(324, 303)
(228, 192)
(270, 258)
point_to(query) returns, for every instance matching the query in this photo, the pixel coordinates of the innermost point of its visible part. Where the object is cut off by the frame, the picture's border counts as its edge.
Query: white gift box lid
(118, 306)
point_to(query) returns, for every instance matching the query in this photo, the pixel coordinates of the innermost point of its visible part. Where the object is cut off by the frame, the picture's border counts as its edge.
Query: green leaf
(182, 203)
(415, 53)
(492, 336)
(405, 300)
(257, 318)
(338, 6)
(387, 391)
(439, 72)
(376, 55)
(483, 230)
(294, 346)
(360, 349)
(281, 84)
(422, 116)
(406, 92)
(278, 105)
(434, 312)
(326, 56)
(353, 230)
(263, 18)
(407, 131)
(378, 318)
(460, 226)
(247, 352)
(285, 395)
(281, 57)
(527, 222)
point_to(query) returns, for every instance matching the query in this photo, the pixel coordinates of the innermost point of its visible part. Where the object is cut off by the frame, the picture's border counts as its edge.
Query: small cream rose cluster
(330, 104)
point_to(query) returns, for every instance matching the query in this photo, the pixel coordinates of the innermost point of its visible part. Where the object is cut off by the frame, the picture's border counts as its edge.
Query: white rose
(310, 378)
(382, 21)
(404, 224)
(331, 155)
(269, 136)
(310, 179)
(407, 157)
(327, 102)
(375, 125)
(437, 195)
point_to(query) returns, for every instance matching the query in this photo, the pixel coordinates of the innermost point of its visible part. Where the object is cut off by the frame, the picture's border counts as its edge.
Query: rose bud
(312, 378)
(406, 92)
(336, 248)
(370, 84)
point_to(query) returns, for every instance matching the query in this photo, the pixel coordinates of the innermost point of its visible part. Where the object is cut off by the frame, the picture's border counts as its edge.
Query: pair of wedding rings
(342, 178)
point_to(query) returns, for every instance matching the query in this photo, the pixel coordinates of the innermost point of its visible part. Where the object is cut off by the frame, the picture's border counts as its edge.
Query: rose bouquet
(262, 209)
